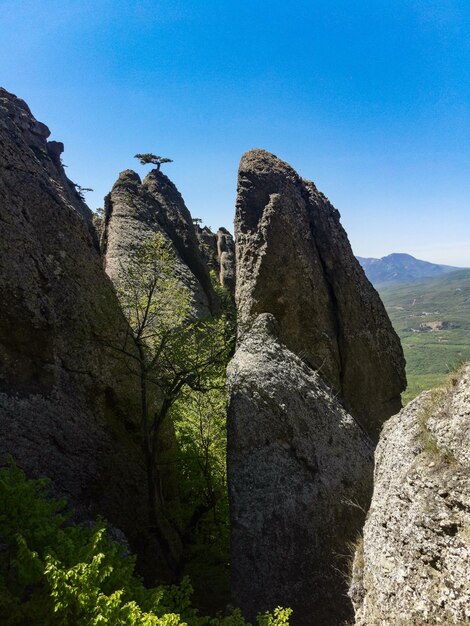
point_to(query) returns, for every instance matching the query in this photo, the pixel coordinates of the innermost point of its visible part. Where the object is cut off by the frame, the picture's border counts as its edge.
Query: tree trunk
(160, 526)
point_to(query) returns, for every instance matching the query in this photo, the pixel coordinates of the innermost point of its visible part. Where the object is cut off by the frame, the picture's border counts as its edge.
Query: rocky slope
(413, 566)
(294, 260)
(299, 472)
(67, 405)
(134, 210)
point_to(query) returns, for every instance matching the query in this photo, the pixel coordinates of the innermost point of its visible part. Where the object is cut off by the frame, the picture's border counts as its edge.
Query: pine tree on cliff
(149, 158)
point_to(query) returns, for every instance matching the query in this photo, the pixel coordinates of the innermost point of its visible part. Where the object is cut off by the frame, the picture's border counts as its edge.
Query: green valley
(432, 318)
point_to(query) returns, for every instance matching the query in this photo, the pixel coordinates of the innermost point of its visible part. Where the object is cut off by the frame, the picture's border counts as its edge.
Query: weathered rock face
(413, 567)
(299, 471)
(68, 409)
(218, 250)
(134, 210)
(208, 246)
(226, 256)
(294, 260)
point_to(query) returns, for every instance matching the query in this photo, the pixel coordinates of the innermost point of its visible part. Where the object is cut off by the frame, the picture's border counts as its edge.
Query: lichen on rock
(414, 565)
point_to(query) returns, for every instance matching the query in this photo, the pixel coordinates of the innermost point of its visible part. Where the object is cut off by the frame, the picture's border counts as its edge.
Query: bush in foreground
(56, 573)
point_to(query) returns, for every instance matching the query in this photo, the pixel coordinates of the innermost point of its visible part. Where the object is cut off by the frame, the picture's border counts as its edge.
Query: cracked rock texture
(299, 471)
(67, 405)
(136, 209)
(414, 565)
(294, 260)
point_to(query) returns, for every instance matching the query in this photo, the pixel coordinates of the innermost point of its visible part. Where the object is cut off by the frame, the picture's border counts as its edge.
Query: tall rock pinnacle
(317, 371)
(134, 210)
(294, 260)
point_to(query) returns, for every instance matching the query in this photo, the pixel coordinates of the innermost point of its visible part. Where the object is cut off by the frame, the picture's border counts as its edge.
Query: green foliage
(35, 533)
(181, 362)
(56, 573)
(178, 349)
(153, 299)
(82, 190)
(200, 423)
(152, 159)
(279, 617)
(200, 418)
(174, 351)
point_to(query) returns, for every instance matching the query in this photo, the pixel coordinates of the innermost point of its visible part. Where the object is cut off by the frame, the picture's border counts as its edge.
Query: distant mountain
(401, 268)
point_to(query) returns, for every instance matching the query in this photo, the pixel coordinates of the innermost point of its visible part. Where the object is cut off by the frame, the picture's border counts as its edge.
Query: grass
(431, 407)
(436, 405)
(431, 355)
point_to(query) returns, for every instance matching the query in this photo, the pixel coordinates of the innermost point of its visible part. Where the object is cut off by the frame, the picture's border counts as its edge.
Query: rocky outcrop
(299, 470)
(413, 566)
(294, 260)
(307, 400)
(68, 408)
(226, 256)
(134, 210)
(218, 250)
(207, 241)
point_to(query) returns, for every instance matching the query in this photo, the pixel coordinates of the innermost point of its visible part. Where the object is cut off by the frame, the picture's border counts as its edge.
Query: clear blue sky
(370, 99)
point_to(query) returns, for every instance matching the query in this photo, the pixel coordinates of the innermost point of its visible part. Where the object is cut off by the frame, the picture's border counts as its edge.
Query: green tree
(149, 158)
(82, 190)
(172, 351)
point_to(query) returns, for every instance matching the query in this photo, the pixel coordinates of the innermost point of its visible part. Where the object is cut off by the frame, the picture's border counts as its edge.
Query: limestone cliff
(136, 209)
(299, 470)
(413, 566)
(68, 409)
(294, 260)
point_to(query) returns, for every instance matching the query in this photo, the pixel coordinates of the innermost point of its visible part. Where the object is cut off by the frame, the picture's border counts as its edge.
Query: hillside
(432, 318)
(400, 268)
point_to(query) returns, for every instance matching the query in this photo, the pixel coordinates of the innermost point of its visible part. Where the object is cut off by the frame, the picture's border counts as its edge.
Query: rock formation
(226, 256)
(68, 409)
(299, 454)
(294, 260)
(134, 210)
(299, 474)
(218, 250)
(413, 566)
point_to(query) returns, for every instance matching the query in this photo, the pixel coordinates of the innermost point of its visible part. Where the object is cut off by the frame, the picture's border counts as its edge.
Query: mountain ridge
(400, 267)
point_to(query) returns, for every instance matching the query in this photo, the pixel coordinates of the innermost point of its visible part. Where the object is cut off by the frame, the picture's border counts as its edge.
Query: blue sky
(370, 99)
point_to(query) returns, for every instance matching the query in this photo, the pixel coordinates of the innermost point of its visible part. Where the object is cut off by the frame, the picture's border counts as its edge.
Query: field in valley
(432, 318)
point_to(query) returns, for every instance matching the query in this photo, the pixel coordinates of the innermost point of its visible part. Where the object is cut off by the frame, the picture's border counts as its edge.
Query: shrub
(57, 573)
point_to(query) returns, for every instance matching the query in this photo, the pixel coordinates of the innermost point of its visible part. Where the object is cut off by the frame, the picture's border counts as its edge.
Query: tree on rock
(174, 353)
(149, 158)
